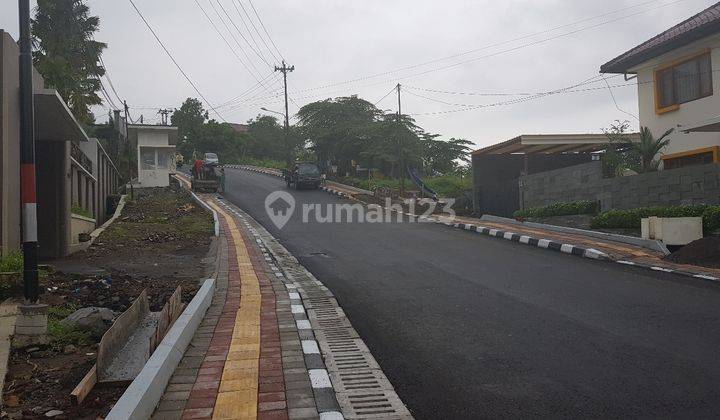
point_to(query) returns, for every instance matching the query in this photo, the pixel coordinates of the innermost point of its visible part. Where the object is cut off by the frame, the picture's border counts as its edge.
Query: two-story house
(678, 78)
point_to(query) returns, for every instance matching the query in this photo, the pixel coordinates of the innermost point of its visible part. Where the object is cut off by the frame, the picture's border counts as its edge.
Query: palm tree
(649, 147)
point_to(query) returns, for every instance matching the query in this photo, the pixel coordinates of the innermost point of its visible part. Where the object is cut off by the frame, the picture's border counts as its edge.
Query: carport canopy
(551, 144)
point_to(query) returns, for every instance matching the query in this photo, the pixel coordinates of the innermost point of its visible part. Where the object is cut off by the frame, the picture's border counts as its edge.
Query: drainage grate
(319, 302)
(345, 362)
(372, 405)
(360, 380)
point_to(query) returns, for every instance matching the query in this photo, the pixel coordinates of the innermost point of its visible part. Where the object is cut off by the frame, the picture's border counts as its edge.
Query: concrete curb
(96, 233)
(143, 395)
(701, 276)
(643, 243)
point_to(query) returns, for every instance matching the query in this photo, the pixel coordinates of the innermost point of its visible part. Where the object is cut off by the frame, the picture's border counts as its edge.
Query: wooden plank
(84, 387)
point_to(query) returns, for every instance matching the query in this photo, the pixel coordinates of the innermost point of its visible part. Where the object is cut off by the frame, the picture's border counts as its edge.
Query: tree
(616, 157)
(648, 148)
(189, 120)
(441, 157)
(66, 54)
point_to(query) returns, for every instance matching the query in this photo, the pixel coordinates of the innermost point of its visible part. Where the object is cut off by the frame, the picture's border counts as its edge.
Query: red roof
(701, 25)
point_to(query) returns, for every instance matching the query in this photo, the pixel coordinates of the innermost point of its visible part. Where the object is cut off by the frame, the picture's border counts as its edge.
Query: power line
(265, 29)
(232, 35)
(511, 102)
(225, 40)
(241, 34)
(612, 95)
(250, 19)
(107, 76)
(157, 38)
(386, 95)
(410, 67)
(250, 32)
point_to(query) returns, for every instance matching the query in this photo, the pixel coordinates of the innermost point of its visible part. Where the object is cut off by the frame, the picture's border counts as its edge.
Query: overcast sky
(333, 41)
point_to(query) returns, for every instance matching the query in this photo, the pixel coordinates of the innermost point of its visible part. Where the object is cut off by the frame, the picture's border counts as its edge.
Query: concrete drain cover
(372, 405)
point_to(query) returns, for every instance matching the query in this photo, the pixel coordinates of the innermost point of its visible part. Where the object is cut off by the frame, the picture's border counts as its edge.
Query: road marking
(544, 243)
(566, 248)
(297, 309)
(303, 324)
(294, 295)
(524, 239)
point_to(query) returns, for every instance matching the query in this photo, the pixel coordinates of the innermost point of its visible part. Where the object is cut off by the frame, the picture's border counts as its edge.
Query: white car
(211, 159)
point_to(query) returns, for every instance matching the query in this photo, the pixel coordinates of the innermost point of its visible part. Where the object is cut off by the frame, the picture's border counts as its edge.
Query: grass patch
(81, 211)
(61, 335)
(12, 262)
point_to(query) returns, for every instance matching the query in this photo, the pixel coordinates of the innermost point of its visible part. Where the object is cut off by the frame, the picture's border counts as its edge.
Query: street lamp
(274, 112)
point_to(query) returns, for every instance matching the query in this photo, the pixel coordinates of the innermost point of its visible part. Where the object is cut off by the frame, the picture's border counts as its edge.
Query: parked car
(211, 159)
(303, 174)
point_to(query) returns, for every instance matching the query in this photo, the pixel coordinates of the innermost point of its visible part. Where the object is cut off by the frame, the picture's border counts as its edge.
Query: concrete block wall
(698, 184)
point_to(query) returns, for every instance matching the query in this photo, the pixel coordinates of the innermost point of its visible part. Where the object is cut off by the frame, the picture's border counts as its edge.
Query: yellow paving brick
(244, 384)
(239, 382)
(241, 364)
(240, 374)
(236, 405)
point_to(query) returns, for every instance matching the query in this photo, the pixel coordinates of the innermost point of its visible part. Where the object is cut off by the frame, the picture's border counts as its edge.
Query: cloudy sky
(340, 48)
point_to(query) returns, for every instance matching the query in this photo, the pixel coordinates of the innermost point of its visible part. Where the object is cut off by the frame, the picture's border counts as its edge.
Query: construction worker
(198, 169)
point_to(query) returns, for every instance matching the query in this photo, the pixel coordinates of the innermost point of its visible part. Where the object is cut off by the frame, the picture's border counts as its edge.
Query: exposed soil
(704, 252)
(162, 240)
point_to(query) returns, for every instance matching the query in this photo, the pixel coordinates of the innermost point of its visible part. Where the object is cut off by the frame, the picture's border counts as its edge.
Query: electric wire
(157, 38)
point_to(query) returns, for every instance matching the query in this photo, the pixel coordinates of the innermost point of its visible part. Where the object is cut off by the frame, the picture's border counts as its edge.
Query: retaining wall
(698, 184)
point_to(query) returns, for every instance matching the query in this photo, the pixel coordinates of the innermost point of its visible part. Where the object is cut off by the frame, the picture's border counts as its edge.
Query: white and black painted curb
(701, 276)
(529, 240)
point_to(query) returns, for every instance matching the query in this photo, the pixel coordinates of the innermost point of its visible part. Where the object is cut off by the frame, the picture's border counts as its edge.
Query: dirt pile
(704, 252)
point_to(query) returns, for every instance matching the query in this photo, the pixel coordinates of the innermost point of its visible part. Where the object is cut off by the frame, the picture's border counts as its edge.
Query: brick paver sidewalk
(239, 365)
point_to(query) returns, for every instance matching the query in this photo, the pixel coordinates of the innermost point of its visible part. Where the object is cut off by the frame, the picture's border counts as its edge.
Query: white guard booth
(155, 148)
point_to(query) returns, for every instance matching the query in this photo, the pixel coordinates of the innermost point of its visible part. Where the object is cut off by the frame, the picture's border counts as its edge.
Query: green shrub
(449, 186)
(711, 219)
(630, 219)
(80, 211)
(12, 262)
(559, 209)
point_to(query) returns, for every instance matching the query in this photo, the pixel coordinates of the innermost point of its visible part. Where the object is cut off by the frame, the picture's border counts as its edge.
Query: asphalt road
(467, 326)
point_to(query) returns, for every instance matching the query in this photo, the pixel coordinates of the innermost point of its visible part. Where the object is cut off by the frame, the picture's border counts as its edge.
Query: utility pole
(130, 163)
(400, 148)
(28, 189)
(285, 69)
(31, 322)
(164, 115)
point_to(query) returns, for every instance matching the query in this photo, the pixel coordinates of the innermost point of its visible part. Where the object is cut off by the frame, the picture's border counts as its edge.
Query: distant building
(240, 128)
(155, 147)
(677, 85)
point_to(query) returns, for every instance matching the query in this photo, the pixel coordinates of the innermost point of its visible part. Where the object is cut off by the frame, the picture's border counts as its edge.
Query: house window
(147, 159)
(683, 82)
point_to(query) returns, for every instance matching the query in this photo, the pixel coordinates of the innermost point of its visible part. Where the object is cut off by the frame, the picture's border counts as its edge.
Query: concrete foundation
(31, 326)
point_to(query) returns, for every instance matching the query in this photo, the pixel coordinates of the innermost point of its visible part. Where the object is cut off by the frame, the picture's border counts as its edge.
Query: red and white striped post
(28, 188)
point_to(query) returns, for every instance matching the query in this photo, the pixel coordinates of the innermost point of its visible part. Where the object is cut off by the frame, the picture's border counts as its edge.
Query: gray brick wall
(690, 185)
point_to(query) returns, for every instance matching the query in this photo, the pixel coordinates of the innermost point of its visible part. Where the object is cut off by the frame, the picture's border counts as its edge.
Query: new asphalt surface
(468, 326)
